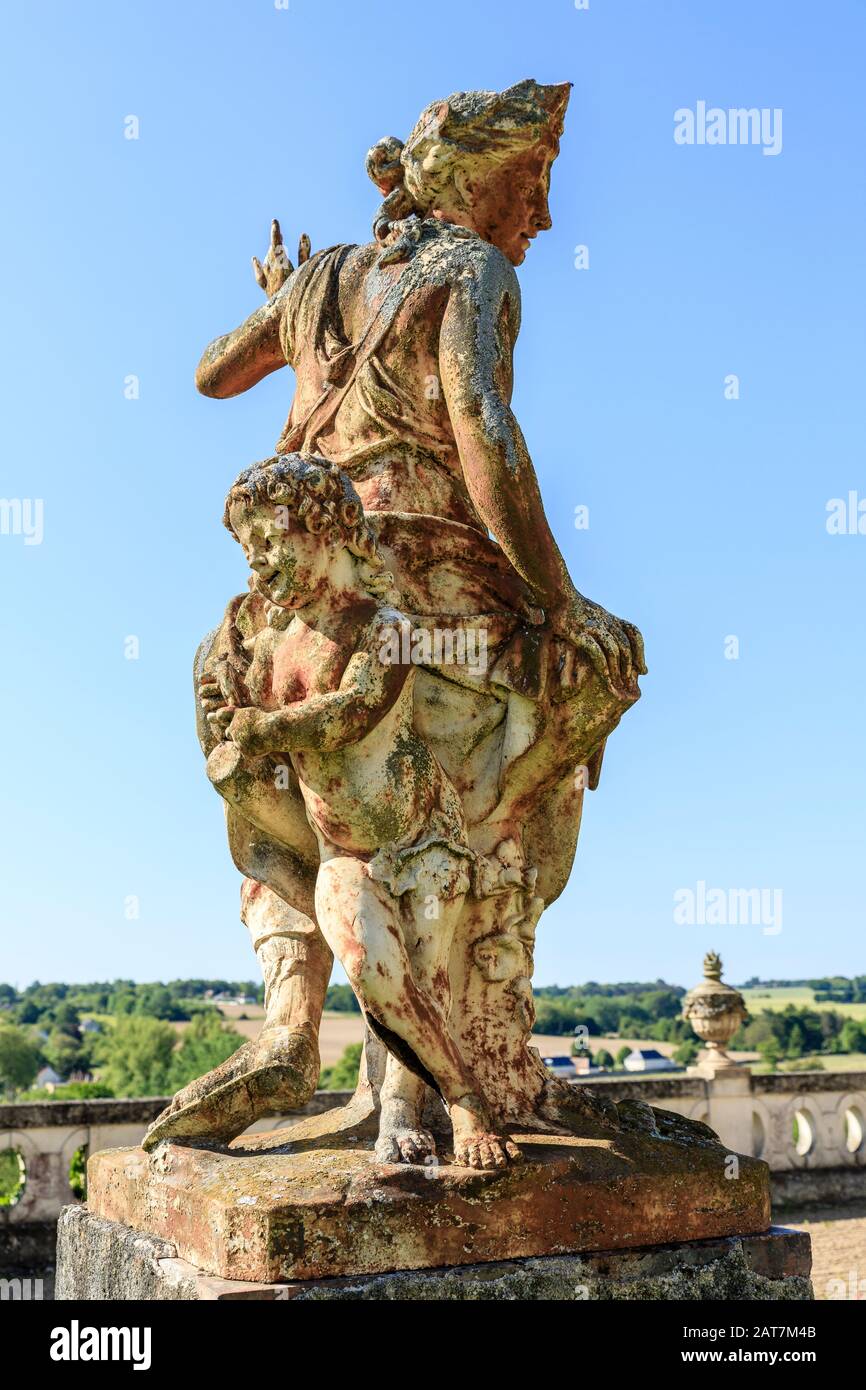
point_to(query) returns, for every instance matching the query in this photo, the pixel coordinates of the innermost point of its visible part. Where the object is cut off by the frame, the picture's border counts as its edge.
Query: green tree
(64, 1053)
(852, 1036)
(342, 998)
(78, 1173)
(343, 1075)
(19, 1060)
(686, 1053)
(204, 1044)
(796, 1042)
(12, 1177)
(157, 1002)
(136, 1056)
(770, 1052)
(603, 1058)
(67, 1020)
(621, 1055)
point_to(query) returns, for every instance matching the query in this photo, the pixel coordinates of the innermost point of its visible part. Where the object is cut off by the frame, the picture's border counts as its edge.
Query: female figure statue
(402, 351)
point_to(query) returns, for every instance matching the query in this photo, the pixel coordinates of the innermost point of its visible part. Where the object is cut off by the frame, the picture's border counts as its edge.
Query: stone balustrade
(810, 1127)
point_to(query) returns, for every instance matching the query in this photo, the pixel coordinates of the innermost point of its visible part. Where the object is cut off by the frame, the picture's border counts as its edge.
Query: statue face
(290, 563)
(506, 204)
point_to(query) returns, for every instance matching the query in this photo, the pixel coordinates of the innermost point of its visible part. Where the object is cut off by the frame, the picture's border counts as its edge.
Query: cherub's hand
(614, 646)
(250, 729)
(277, 267)
(219, 717)
(210, 696)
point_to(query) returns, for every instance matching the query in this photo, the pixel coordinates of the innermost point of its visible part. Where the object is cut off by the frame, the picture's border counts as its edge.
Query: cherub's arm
(368, 689)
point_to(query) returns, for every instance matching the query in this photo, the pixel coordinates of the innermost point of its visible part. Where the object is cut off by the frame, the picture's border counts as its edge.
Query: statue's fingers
(259, 273)
(590, 647)
(276, 235)
(303, 248)
(637, 648)
(569, 658)
(611, 647)
(625, 654)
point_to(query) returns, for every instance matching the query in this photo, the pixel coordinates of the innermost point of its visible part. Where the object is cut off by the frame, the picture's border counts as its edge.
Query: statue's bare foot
(476, 1144)
(277, 1072)
(406, 1146)
(401, 1138)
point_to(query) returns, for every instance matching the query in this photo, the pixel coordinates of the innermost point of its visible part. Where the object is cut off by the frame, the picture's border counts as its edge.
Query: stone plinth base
(299, 1204)
(103, 1260)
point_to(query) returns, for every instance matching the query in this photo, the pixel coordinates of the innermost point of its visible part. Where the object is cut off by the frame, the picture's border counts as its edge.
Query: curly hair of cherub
(320, 495)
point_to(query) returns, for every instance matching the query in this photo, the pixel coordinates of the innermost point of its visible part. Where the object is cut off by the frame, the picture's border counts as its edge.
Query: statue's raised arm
(231, 364)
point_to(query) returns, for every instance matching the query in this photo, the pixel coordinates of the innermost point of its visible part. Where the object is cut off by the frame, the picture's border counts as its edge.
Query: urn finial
(715, 1011)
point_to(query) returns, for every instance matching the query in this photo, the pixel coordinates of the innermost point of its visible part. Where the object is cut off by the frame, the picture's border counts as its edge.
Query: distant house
(563, 1067)
(47, 1077)
(89, 1025)
(584, 1065)
(648, 1059)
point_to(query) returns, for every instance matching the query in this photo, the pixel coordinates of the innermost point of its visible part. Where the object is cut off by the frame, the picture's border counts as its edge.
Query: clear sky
(707, 515)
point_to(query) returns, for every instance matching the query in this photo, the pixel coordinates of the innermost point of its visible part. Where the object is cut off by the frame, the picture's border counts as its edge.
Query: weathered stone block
(103, 1260)
(271, 1208)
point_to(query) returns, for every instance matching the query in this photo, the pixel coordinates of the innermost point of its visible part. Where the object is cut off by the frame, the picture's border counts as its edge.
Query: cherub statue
(325, 694)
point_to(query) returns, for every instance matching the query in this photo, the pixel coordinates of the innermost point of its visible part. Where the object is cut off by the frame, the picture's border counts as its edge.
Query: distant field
(340, 1029)
(845, 1061)
(801, 996)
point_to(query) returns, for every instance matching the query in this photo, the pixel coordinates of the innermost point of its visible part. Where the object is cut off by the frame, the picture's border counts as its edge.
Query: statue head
(478, 159)
(293, 515)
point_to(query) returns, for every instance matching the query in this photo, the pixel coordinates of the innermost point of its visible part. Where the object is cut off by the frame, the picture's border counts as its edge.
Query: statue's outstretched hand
(277, 267)
(614, 646)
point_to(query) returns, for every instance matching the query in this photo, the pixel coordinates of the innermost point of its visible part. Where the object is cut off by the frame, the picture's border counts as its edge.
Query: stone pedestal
(311, 1202)
(103, 1260)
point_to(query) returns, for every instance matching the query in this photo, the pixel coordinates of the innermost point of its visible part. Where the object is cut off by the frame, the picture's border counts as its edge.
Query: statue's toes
(416, 1146)
(387, 1149)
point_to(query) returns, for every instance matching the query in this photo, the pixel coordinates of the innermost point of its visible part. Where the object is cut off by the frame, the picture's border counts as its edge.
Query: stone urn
(715, 1011)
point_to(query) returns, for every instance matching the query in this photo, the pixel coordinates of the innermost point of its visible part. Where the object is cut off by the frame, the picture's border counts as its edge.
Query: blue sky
(707, 515)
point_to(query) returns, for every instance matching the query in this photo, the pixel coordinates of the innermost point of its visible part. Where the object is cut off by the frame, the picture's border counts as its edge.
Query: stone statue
(403, 711)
